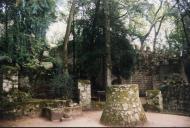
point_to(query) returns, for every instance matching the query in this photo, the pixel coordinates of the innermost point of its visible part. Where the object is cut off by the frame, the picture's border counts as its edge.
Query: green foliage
(63, 85)
(24, 39)
(91, 56)
(153, 60)
(123, 56)
(12, 99)
(173, 80)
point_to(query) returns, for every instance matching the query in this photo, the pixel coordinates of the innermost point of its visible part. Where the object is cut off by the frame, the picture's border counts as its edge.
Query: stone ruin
(84, 88)
(62, 113)
(9, 78)
(123, 106)
(154, 101)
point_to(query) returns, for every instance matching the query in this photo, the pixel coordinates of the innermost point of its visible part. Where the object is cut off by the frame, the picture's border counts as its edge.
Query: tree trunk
(107, 44)
(66, 38)
(94, 22)
(183, 73)
(151, 27)
(157, 32)
(6, 27)
(74, 47)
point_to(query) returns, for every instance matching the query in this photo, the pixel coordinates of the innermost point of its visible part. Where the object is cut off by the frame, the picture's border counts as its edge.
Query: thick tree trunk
(66, 38)
(107, 44)
(186, 52)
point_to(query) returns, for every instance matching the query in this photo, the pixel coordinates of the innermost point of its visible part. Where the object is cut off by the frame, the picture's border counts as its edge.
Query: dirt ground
(91, 119)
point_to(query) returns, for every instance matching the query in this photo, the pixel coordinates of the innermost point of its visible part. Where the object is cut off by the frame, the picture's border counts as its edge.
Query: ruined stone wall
(143, 79)
(177, 99)
(148, 80)
(84, 87)
(24, 83)
(154, 101)
(9, 78)
(32, 108)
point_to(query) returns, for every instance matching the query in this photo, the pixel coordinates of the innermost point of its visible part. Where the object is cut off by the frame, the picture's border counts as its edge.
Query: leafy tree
(29, 20)
(90, 44)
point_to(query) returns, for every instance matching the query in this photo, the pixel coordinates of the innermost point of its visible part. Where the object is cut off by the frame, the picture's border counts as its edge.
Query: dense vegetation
(103, 40)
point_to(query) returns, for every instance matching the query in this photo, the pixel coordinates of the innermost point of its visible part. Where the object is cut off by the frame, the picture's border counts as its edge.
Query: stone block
(84, 87)
(154, 101)
(61, 112)
(53, 113)
(10, 78)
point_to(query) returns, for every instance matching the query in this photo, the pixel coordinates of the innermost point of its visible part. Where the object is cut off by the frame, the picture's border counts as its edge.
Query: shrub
(63, 85)
(12, 99)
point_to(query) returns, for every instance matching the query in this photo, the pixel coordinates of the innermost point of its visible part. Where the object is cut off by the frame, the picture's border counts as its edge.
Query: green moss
(32, 107)
(114, 114)
(152, 93)
(120, 95)
(84, 81)
(9, 69)
(117, 120)
(46, 102)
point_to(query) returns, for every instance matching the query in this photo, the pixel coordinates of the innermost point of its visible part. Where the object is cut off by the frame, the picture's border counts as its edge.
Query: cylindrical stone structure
(123, 106)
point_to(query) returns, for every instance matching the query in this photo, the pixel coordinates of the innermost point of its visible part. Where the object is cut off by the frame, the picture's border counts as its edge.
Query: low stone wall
(154, 101)
(177, 99)
(123, 106)
(84, 87)
(31, 108)
(143, 79)
(61, 113)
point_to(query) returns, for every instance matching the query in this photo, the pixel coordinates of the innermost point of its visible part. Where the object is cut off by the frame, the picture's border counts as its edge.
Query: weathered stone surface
(144, 79)
(56, 113)
(84, 94)
(73, 111)
(47, 65)
(10, 78)
(154, 100)
(24, 82)
(123, 106)
(61, 113)
(176, 98)
(46, 54)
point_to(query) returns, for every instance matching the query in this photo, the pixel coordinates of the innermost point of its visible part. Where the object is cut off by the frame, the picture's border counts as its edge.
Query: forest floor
(91, 119)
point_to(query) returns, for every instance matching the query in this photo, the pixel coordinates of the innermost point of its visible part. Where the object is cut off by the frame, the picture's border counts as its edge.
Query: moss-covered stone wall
(176, 98)
(31, 108)
(154, 101)
(144, 79)
(9, 78)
